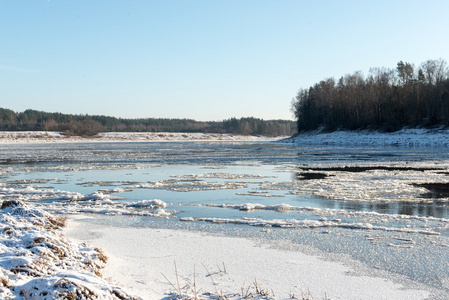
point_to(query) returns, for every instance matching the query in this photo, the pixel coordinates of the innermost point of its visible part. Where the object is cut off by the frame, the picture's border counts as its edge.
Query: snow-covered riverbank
(38, 262)
(404, 137)
(227, 266)
(9, 137)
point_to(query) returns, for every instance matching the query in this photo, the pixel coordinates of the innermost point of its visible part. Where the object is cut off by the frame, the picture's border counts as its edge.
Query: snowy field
(334, 216)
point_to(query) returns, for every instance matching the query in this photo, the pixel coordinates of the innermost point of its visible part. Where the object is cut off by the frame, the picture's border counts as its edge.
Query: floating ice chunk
(72, 197)
(30, 189)
(112, 191)
(161, 213)
(189, 185)
(156, 203)
(96, 196)
(281, 207)
(7, 190)
(251, 206)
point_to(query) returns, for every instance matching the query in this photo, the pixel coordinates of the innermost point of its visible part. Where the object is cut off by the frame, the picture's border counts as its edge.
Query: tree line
(387, 99)
(86, 125)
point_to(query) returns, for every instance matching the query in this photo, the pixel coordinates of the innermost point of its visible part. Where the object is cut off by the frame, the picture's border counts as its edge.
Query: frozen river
(380, 209)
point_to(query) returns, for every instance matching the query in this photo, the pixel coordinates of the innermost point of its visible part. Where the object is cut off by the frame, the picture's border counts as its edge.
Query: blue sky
(205, 60)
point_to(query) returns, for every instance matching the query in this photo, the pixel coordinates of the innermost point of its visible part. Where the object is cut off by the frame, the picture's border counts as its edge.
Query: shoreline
(21, 137)
(411, 137)
(37, 261)
(139, 266)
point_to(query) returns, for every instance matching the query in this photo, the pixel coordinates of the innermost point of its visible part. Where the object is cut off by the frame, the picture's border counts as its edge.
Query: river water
(371, 204)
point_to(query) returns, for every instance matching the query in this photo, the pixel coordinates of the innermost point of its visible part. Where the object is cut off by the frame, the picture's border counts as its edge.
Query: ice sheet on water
(295, 223)
(367, 186)
(307, 217)
(220, 175)
(112, 191)
(156, 203)
(189, 185)
(97, 202)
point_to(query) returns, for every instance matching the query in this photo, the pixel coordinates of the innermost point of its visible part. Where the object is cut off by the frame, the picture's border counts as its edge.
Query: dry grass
(48, 252)
(101, 256)
(68, 289)
(57, 222)
(12, 203)
(4, 282)
(254, 291)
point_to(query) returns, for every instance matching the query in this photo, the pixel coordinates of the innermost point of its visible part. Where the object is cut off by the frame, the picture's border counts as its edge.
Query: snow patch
(414, 137)
(38, 262)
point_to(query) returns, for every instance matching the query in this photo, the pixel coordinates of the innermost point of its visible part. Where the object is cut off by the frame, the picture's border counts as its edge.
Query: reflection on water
(436, 208)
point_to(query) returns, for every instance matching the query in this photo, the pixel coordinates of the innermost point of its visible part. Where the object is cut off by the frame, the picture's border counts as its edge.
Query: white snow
(416, 137)
(11, 137)
(38, 262)
(368, 186)
(97, 202)
(36, 258)
(139, 257)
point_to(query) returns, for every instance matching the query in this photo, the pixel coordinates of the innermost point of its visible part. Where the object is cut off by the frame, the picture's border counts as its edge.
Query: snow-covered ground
(225, 266)
(404, 137)
(9, 137)
(38, 262)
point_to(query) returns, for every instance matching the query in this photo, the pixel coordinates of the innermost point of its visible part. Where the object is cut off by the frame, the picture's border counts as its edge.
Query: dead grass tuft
(101, 256)
(68, 289)
(4, 281)
(57, 222)
(121, 295)
(24, 293)
(11, 203)
(254, 291)
(8, 230)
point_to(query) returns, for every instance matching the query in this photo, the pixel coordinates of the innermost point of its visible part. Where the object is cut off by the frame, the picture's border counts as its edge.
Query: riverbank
(227, 266)
(416, 137)
(38, 262)
(18, 137)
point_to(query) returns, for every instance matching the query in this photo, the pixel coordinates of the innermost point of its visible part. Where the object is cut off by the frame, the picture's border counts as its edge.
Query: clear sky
(201, 59)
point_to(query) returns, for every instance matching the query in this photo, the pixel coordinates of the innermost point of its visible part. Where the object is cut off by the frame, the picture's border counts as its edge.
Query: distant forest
(387, 99)
(85, 125)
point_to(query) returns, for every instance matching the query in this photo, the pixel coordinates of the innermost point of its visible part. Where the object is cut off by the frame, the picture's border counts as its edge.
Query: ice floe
(308, 217)
(295, 223)
(368, 186)
(220, 175)
(97, 202)
(187, 185)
